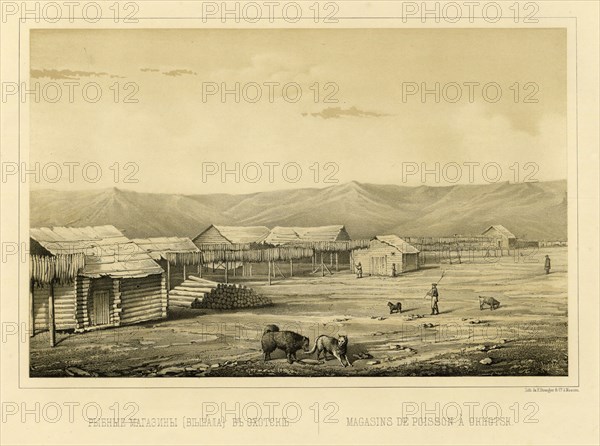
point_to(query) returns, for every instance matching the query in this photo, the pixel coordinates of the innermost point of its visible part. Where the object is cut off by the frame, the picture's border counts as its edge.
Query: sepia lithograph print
(299, 202)
(299, 222)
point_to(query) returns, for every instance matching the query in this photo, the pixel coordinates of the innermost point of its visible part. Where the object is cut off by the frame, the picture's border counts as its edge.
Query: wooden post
(331, 260)
(200, 270)
(234, 268)
(337, 262)
(291, 268)
(226, 268)
(51, 325)
(313, 260)
(31, 311)
(168, 278)
(184, 272)
(322, 266)
(213, 266)
(251, 270)
(269, 273)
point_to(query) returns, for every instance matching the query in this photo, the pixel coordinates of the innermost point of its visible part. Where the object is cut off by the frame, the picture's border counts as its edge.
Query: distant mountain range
(529, 210)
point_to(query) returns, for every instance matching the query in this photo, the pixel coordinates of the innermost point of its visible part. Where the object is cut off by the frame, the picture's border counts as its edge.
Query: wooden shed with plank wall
(386, 255)
(218, 242)
(504, 238)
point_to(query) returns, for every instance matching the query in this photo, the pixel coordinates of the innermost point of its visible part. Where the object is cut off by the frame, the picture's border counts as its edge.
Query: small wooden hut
(505, 239)
(220, 243)
(115, 282)
(387, 255)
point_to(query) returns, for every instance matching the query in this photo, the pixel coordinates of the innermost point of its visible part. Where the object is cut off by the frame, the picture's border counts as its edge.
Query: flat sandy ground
(527, 335)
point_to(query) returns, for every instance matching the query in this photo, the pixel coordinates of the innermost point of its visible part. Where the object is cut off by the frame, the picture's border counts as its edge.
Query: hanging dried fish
(60, 268)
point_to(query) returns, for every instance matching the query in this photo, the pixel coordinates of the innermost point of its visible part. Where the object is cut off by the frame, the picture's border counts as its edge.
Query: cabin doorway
(101, 308)
(378, 266)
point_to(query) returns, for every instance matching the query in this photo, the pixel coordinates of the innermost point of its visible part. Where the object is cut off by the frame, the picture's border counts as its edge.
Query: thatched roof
(107, 251)
(398, 243)
(502, 230)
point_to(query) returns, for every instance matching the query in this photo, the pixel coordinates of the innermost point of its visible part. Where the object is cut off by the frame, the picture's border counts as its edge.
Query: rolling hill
(529, 210)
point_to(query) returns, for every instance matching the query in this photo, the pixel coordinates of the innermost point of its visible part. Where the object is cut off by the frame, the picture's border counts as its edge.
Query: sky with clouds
(353, 109)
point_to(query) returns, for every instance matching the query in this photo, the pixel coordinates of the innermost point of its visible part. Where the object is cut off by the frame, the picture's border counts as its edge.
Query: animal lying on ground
(489, 301)
(288, 341)
(338, 347)
(395, 308)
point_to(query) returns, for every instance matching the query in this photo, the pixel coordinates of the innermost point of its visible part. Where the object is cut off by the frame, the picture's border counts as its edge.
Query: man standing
(358, 270)
(547, 264)
(433, 292)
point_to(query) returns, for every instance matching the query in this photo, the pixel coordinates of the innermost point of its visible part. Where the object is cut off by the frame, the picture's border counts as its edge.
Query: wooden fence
(454, 249)
(445, 243)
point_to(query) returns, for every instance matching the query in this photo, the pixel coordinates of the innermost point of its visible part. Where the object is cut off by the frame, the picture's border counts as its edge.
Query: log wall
(40, 308)
(64, 307)
(82, 316)
(143, 299)
(130, 301)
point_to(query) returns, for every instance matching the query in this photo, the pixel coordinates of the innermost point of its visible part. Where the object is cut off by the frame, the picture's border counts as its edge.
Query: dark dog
(489, 301)
(395, 308)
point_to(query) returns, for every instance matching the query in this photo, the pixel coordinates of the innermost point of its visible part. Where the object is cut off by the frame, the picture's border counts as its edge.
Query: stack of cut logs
(191, 290)
(231, 296)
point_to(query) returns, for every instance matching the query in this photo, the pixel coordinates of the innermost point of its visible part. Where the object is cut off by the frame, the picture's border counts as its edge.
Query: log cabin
(116, 283)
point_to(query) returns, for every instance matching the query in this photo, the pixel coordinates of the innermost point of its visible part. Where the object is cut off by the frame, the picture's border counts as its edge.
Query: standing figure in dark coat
(433, 292)
(358, 270)
(547, 264)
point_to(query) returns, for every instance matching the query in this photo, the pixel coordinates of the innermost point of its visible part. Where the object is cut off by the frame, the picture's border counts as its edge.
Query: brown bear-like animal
(288, 341)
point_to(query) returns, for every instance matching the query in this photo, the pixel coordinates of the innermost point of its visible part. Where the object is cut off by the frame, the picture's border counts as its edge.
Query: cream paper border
(568, 416)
